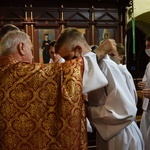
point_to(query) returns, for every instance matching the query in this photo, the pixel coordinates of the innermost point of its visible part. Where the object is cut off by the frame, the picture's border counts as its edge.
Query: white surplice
(112, 111)
(129, 82)
(93, 78)
(61, 60)
(145, 120)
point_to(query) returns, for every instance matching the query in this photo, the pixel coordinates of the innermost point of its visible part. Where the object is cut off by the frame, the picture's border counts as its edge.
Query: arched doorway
(136, 64)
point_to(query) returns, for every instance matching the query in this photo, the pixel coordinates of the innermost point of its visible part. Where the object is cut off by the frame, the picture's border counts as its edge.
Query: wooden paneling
(91, 19)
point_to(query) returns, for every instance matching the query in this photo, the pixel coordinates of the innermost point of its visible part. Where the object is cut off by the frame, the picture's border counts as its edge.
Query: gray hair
(69, 37)
(10, 41)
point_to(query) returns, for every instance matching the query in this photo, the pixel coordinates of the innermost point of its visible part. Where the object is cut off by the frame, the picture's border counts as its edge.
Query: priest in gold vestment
(41, 105)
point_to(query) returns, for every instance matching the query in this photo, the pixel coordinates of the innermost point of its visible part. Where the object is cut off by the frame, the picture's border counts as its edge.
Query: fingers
(146, 93)
(111, 41)
(141, 85)
(107, 46)
(113, 45)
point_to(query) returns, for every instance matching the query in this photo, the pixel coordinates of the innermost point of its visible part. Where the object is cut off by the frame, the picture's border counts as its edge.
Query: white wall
(141, 6)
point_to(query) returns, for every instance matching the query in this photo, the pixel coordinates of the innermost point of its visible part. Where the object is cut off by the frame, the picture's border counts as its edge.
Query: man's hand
(106, 47)
(146, 93)
(141, 85)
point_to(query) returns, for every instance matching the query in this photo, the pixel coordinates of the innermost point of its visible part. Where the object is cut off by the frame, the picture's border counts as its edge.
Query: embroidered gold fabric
(41, 106)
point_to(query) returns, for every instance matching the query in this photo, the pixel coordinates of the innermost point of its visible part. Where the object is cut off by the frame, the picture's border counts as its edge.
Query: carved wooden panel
(106, 17)
(46, 17)
(92, 20)
(77, 17)
(107, 24)
(12, 15)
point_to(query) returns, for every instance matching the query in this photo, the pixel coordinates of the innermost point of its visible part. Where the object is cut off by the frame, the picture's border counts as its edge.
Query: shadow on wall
(136, 64)
(142, 22)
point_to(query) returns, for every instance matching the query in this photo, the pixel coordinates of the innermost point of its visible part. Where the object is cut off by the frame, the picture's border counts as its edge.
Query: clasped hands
(145, 91)
(108, 46)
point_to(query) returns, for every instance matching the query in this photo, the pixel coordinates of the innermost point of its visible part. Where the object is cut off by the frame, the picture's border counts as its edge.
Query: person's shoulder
(89, 54)
(106, 59)
(61, 60)
(51, 60)
(123, 69)
(107, 64)
(148, 65)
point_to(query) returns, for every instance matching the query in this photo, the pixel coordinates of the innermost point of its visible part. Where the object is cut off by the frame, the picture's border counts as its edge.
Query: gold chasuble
(41, 106)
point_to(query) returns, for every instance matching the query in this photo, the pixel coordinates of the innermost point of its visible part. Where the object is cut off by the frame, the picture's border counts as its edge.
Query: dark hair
(94, 47)
(6, 28)
(147, 38)
(52, 43)
(120, 49)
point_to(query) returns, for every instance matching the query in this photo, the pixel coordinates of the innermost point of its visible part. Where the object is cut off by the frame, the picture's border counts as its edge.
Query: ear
(78, 48)
(121, 57)
(21, 49)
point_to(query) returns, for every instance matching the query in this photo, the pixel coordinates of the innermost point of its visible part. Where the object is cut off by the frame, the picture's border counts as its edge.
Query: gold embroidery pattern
(41, 106)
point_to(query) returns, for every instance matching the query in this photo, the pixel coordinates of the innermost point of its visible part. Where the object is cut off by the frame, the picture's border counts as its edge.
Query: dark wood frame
(31, 19)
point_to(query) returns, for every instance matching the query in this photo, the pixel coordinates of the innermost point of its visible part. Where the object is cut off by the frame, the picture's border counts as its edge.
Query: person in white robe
(145, 119)
(119, 57)
(145, 86)
(72, 44)
(112, 111)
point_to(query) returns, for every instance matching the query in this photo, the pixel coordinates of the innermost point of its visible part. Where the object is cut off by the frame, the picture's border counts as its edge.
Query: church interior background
(97, 19)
